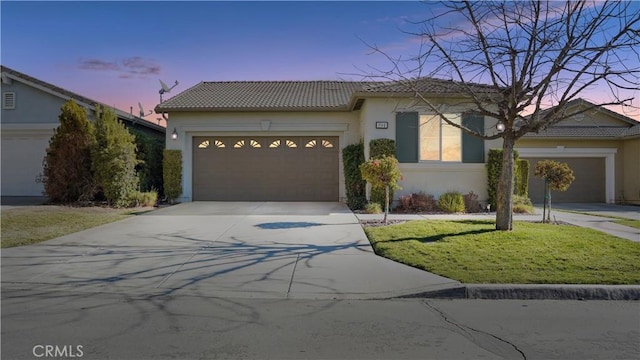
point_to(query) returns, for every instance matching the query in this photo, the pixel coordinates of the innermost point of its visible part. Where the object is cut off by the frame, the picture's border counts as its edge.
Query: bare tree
(509, 59)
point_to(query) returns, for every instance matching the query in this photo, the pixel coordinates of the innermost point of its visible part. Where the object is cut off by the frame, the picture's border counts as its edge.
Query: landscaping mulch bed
(379, 222)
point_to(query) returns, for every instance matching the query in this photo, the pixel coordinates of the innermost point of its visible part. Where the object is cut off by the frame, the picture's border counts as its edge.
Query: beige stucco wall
(592, 118)
(345, 125)
(631, 161)
(433, 178)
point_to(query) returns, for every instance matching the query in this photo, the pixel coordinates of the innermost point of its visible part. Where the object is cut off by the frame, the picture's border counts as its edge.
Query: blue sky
(115, 52)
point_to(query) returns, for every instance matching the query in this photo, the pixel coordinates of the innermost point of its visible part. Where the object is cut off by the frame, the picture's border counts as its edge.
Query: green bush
(372, 208)
(522, 205)
(379, 148)
(114, 158)
(144, 199)
(451, 202)
(522, 178)
(67, 175)
(352, 158)
(494, 167)
(149, 155)
(172, 174)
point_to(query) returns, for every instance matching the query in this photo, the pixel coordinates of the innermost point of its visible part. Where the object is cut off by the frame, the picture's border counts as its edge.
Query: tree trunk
(386, 203)
(547, 200)
(504, 206)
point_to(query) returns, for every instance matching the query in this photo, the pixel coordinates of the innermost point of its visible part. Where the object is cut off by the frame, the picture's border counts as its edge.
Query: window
(428, 138)
(8, 100)
(439, 140)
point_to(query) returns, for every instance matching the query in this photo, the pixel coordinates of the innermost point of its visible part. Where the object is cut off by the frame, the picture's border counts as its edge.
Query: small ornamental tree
(66, 173)
(557, 176)
(114, 158)
(383, 173)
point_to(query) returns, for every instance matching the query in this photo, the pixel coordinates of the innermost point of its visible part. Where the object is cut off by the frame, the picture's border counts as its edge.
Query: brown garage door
(589, 185)
(265, 168)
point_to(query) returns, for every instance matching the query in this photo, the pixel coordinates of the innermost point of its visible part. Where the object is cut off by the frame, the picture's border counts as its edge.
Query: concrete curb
(534, 292)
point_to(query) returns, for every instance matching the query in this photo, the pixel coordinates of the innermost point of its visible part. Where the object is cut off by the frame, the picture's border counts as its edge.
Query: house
(30, 110)
(282, 140)
(601, 146)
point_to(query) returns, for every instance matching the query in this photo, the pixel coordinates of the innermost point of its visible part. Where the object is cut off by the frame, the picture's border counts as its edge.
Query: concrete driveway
(221, 249)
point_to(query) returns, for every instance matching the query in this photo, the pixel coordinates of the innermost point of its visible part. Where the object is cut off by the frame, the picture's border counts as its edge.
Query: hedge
(172, 174)
(352, 157)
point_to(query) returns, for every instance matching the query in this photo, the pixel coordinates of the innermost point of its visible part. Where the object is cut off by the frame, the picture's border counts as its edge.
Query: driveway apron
(222, 249)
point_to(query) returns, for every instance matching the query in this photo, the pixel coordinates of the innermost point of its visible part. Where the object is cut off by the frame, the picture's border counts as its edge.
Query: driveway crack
(483, 339)
(292, 274)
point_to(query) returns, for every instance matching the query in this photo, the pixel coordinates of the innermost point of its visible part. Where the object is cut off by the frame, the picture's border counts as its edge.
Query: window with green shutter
(429, 138)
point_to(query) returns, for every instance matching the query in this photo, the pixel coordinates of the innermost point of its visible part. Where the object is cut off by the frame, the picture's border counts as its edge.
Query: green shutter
(472, 147)
(407, 137)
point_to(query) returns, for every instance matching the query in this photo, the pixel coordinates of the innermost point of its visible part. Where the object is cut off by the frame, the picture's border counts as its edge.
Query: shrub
(144, 199)
(471, 203)
(417, 202)
(494, 167)
(379, 148)
(352, 158)
(522, 177)
(172, 174)
(382, 173)
(149, 154)
(114, 158)
(372, 208)
(66, 175)
(451, 202)
(522, 205)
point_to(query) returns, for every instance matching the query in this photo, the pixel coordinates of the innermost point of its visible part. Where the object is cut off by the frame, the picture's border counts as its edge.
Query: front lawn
(472, 251)
(32, 224)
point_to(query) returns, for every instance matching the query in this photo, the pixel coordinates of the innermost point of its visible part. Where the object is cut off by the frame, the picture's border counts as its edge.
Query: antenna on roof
(142, 114)
(165, 88)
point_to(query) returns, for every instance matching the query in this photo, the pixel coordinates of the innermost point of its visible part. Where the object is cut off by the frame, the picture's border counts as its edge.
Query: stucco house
(282, 140)
(30, 110)
(601, 146)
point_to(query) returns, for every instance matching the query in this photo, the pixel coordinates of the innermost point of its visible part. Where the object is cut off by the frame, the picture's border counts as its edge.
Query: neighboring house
(30, 110)
(601, 146)
(282, 140)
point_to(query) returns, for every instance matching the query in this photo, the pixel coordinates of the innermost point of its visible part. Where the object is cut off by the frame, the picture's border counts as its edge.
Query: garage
(589, 185)
(273, 168)
(22, 156)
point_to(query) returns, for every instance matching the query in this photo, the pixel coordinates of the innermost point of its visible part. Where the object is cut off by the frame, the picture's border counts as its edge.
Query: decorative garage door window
(266, 143)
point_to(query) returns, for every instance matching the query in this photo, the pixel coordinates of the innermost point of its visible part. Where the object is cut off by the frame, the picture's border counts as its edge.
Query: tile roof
(425, 85)
(264, 95)
(297, 95)
(581, 132)
(77, 97)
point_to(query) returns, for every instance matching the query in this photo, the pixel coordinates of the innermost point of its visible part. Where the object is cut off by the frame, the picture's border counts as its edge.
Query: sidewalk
(599, 223)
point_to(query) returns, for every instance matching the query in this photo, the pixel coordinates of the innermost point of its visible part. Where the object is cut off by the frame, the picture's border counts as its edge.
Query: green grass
(472, 251)
(629, 222)
(33, 224)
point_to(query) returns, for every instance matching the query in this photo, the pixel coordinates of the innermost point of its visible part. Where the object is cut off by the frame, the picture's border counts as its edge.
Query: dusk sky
(115, 52)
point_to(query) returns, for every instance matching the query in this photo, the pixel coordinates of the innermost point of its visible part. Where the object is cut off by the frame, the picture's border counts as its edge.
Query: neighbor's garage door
(265, 168)
(589, 185)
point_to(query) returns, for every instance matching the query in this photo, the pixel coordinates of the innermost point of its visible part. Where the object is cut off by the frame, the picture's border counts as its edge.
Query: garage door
(22, 157)
(265, 168)
(589, 185)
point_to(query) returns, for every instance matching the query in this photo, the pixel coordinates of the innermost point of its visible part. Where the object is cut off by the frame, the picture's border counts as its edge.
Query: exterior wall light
(174, 134)
(500, 126)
